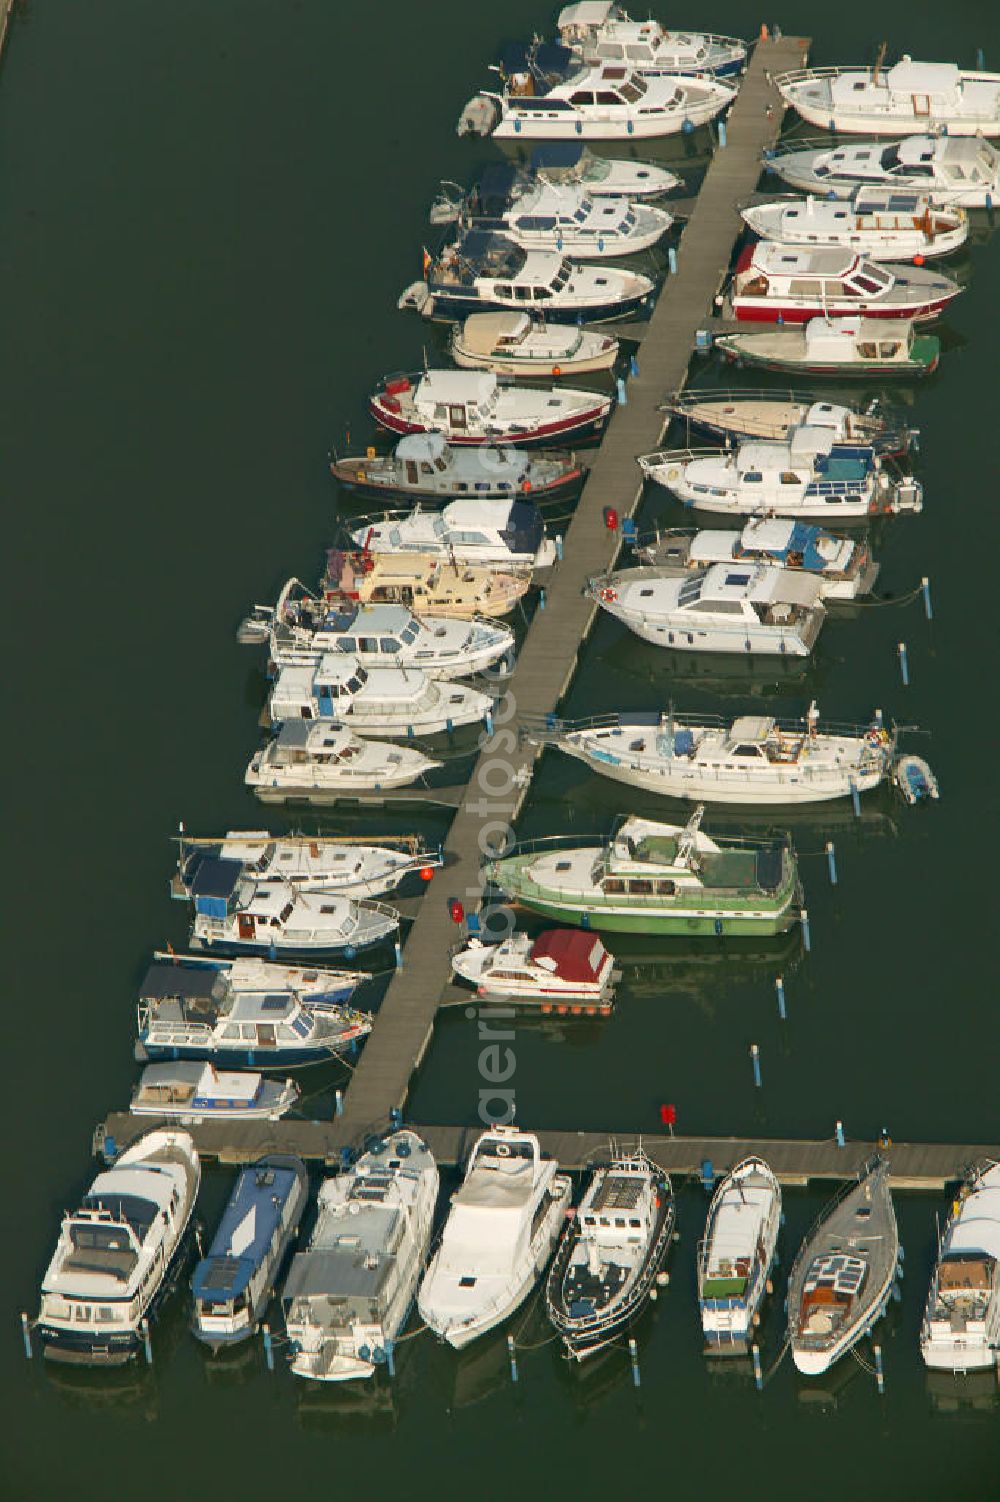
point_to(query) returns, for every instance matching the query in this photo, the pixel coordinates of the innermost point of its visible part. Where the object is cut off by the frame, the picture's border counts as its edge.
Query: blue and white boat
(312, 863)
(567, 163)
(600, 31)
(233, 1284)
(845, 568)
(481, 270)
(737, 1253)
(246, 1012)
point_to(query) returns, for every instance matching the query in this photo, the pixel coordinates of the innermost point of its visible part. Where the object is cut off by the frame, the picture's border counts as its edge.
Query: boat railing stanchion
(839, 1134)
(755, 1058)
(633, 1351)
(831, 861)
(268, 1346)
(879, 1374)
(758, 1375)
(26, 1334)
(147, 1344)
(904, 665)
(779, 986)
(511, 1352)
(925, 590)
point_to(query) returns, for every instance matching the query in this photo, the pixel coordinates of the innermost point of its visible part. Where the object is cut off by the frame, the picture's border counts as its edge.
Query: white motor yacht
(117, 1254)
(508, 534)
(562, 969)
(502, 1226)
(600, 31)
(393, 702)
(737, 1252)
(893, 101)
(844, 568)
(349, 1291)
(475, 406)
(321, 762)
(565, 162)
(885, 224)
(961, 1325)
(515, 344)
(744, 608)
(313, 863)
(959, 171)
(753, 760)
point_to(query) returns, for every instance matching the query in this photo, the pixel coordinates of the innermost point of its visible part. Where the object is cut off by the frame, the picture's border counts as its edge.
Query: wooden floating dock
(929, 1166)
(548, 656)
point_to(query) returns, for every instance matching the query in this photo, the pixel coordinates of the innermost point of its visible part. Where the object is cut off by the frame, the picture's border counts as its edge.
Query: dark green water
(206, 215)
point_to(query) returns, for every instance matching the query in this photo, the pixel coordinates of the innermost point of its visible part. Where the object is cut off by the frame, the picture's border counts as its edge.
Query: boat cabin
(772, 270)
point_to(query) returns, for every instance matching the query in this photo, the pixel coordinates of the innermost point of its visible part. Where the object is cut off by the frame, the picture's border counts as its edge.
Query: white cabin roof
(776, 259)
(374, 620)
(429, 446)
(457, 386)
(482, 330)
(807, 442)
(908, 77)
(751, 728)
(827, 415)
(588, 13)
(769, 532)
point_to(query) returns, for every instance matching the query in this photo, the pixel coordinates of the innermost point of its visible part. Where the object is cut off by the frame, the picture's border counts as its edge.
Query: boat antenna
(880, 59)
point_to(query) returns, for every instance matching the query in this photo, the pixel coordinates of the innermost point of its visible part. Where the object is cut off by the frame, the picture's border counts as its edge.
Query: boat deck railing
(551, 727)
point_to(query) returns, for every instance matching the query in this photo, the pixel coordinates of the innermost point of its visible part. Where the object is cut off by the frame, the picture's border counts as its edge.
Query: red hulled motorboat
(474, 407)
(791, 284)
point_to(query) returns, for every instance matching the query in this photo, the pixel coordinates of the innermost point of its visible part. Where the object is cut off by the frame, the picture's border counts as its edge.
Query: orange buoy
(918, 259)
(763, 31)
(557, 370)
(426, 873)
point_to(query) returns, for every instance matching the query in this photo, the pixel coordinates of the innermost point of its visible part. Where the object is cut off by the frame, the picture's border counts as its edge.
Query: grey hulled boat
(425, 467)
(842, 1276)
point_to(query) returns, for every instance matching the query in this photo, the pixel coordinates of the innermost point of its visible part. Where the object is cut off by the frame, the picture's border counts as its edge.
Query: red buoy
(456, 910)
(918, 259)
(668, 1115)
(611, 518)
(426, 873)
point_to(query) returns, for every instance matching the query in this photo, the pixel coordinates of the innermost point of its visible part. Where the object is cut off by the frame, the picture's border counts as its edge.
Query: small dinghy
(513, 344)
(811, 478)
(424, 583)
(915, 780)
(200, 1092)
(339, 690)
(845, 569)
(425, 467)
(842, 1277)
(775, 417)
(234, 913)
(307, 628)
(737, 1253)
(501, 1228)
(600, 31)
(506, 534)
(247, 1012)
(348, 1292)
(313, 863)
(118, 1254)
(610, 1256)
(562, 218)
(883, 224)
(795, 283)
(232, 1286)
(322, 762)
(483, 271)
(754, 760)
(951, 170)
(652, 878)
(847, 347)
(561, 966)
(908, 96)
(470, 406)
(566, 163)
(961, 1325)
(744, 608)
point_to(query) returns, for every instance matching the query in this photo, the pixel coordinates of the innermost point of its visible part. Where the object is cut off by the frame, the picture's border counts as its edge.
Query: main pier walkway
(548, 657)
(913, 1165)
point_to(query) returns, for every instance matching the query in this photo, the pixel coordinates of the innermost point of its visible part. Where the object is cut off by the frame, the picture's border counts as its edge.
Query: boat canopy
(212, 883)
(827, 415)
(570, 953)
(777, 259)
(908, 77)
(588, 13)
(457, 387)
(807, 443)
(751, 728)
(422, 447)
(483, 331)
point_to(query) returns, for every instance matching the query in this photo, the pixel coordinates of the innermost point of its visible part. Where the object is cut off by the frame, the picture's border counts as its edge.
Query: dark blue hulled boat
(232, 1285)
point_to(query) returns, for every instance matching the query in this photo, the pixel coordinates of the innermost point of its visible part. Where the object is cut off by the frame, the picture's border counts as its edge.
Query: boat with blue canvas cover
(844, 568)
(189, 1090)
(246, 1012)
(566, 162)
(232, 1286)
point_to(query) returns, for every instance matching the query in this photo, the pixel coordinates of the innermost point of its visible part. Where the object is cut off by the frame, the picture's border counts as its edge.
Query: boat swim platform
(797, 1162)
(547, 660)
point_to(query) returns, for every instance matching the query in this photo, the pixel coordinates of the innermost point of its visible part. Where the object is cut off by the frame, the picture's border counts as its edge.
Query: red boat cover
(576, 956)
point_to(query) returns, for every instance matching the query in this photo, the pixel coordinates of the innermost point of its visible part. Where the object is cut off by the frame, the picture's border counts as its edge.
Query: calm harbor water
(206, 216)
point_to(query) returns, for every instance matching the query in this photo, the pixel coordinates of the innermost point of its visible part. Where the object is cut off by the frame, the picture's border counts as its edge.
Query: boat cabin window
(889, 350)
(388, 644)
(503, 289)
(582, 96)
(868, 350)
(753, 477)
(748, 751)
(608, 96)
(804, 286)
(541, 292)
(641, 887)
(613, 884)
(456, 416)
(523, 294)
(869, 284)
(411, 472)
(789, 477)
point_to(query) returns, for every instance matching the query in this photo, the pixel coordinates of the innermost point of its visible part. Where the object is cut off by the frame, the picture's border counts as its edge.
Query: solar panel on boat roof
(221, 1272)
(618, 1193)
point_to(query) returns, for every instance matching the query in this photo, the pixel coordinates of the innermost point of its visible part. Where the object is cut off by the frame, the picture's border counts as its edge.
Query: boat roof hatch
(751, 728)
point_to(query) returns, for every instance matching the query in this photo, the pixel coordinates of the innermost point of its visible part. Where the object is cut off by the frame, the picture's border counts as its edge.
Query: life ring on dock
(609, 594)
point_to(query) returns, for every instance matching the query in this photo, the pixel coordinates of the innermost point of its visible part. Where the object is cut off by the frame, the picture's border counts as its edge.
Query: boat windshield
(139, 1213)
(890, 158)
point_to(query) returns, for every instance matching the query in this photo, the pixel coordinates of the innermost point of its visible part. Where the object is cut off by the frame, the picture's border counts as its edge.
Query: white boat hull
(762, 641)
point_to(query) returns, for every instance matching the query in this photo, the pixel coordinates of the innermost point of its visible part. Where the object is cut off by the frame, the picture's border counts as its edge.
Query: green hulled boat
(657, 879)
